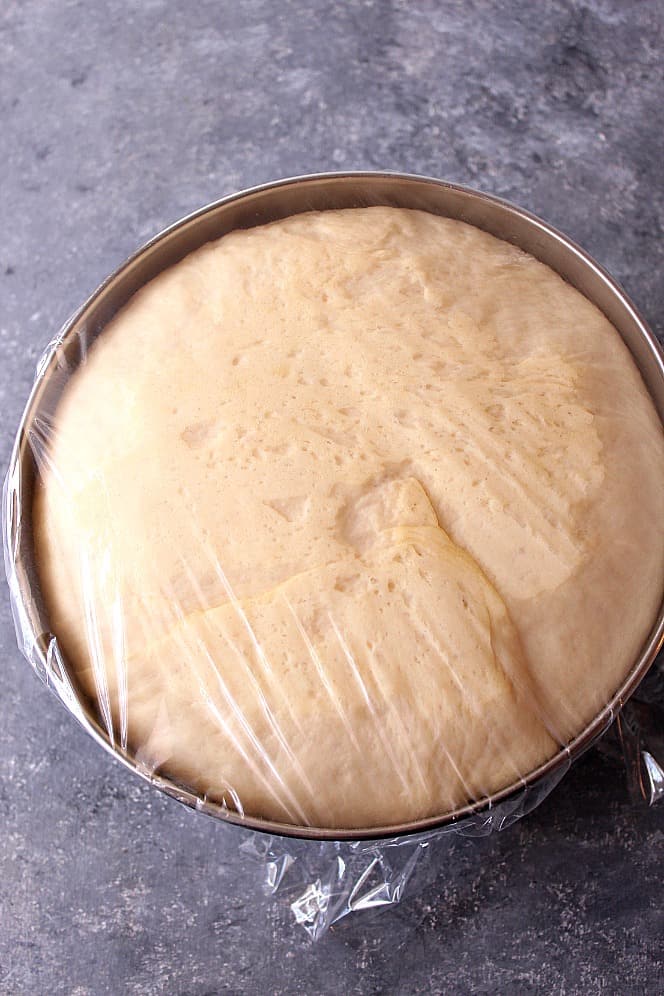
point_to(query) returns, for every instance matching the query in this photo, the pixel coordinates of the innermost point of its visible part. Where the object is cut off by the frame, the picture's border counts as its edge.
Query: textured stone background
(118, 118)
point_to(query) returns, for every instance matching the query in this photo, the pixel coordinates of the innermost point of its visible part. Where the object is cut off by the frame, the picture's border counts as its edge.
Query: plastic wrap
(324, 882)
(360, 681)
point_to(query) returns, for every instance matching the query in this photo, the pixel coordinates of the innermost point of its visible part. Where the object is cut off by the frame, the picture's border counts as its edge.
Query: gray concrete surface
(116, 119)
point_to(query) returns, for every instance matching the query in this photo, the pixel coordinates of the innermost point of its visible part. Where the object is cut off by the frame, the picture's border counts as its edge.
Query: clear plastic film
(323, 882)
(305, 531)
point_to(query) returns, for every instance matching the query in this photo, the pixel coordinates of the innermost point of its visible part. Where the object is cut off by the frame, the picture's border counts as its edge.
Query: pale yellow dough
(353, 518)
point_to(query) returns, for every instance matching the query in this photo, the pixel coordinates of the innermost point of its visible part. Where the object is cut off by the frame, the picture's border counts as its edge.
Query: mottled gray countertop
(118, 118)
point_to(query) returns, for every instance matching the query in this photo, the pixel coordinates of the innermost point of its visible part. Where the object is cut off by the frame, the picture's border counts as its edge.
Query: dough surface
(353, 518)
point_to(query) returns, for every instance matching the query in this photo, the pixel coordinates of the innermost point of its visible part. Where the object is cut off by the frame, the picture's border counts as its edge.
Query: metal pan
(257, 206)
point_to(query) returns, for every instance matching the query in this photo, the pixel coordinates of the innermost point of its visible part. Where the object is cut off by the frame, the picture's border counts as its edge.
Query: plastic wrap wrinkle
(325, 882)
(655, 776)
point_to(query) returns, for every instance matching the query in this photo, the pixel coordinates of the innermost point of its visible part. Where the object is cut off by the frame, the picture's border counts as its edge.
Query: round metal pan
(258, 206)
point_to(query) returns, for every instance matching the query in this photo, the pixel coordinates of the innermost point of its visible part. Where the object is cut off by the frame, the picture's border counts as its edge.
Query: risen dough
(352, 518)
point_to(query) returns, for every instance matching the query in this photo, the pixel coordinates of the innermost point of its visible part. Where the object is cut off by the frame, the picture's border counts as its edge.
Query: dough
(352, 518)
